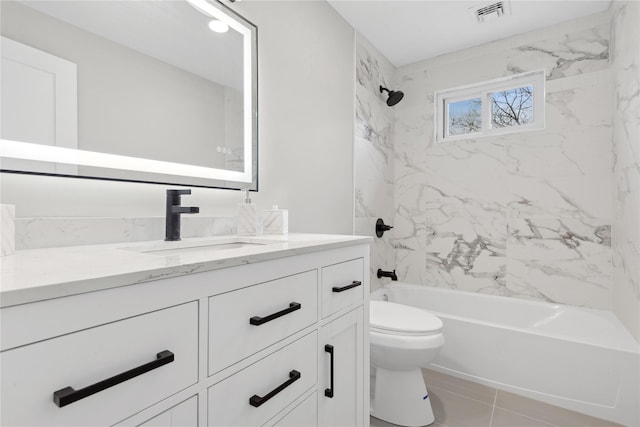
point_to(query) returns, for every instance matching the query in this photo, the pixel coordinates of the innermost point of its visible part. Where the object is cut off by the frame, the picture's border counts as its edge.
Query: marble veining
(7, 229)
(575, 53)
(34, 233)
(625, 41)
(525, 215)
(372, 69)
(571, 258)
(374, 154)
(529, 215)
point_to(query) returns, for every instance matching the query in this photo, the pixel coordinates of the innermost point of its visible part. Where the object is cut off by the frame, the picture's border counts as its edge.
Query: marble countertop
(40, 274)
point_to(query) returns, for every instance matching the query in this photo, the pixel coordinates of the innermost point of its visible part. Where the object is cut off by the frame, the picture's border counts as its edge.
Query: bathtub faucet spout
(391, 274)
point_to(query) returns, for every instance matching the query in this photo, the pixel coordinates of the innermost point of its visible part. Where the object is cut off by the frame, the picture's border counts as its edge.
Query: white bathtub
(575, 358)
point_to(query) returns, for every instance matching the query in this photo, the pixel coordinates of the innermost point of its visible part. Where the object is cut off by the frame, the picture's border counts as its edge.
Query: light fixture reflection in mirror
(46, 153)
(218, 26)
(246, 173)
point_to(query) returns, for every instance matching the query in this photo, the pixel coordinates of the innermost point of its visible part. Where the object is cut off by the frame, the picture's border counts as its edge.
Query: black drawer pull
(344, 288)
(68, 395)
(257, 320)
(256, 400)
(329, 391)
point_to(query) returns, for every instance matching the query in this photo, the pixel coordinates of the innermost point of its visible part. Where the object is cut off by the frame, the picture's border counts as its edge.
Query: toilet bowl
(402, 339)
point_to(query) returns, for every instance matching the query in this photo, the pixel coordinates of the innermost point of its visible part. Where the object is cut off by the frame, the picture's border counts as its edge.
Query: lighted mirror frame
(178, 173)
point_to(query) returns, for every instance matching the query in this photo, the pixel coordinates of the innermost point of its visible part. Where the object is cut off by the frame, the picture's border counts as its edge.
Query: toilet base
(400, 397)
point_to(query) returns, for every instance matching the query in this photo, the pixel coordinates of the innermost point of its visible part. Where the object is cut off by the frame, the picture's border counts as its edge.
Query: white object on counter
(276, 221)
(7, 229)
(248, 220)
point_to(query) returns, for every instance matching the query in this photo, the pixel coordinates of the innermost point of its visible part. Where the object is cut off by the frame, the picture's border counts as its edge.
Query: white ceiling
(406, 32)
(170, 31)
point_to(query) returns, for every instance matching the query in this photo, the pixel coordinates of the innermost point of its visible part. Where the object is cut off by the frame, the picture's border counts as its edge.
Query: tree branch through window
(512, 107)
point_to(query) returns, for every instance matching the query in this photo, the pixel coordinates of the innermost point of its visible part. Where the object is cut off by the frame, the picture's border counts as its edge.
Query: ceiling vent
(488, 11)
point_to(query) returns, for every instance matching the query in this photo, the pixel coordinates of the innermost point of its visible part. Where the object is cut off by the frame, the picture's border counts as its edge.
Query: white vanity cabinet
(341, 380)
(342, 286)
(259, 392)
(245, 321)
(303, 415)
(37, 379)
(184, 414)
(244, 345)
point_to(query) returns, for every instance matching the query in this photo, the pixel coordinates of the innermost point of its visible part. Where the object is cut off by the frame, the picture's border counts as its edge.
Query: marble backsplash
(7, 230)
(35, 233)
(525, 215)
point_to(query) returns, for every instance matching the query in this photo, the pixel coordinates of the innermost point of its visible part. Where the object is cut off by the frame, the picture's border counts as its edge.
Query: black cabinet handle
(257, 320)
(329, 391)
(68, 395)
(256, 400)
(344, 288)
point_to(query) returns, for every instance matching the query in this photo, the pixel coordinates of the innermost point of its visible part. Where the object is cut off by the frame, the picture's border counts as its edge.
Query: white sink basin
(184, 247)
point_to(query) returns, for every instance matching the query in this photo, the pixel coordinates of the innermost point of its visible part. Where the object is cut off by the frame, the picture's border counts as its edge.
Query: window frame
(483, 90)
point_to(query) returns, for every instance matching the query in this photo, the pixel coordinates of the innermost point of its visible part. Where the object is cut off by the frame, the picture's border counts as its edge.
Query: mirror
(143, 91)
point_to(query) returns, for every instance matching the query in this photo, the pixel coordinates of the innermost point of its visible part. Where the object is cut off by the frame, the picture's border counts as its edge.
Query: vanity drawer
(292, 370)
(277, 308)
(303, 415)
(184, 414)
(31, 374)
(342, 286)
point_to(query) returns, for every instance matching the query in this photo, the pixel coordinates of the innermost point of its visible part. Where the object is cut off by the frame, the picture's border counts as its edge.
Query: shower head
(394, 96)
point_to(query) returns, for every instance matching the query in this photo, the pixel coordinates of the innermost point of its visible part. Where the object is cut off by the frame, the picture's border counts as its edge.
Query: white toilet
(403, 339)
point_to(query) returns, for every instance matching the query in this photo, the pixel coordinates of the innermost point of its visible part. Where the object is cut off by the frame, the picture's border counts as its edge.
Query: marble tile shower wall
(524, 215)
(625, 66)
(374, 154)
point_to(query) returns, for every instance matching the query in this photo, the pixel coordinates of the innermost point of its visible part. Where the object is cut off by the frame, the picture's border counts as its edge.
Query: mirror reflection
(153, 87)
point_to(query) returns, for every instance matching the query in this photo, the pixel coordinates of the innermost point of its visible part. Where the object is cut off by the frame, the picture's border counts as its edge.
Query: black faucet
(391, 274)
(174, 210)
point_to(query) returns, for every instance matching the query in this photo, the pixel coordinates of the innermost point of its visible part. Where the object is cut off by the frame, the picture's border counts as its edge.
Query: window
(496, 107)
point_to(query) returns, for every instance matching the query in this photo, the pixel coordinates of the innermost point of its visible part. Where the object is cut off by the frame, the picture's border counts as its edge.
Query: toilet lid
(392, 317)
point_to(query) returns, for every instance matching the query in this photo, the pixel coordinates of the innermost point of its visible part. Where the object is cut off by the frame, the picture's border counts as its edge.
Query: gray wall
(306, 102)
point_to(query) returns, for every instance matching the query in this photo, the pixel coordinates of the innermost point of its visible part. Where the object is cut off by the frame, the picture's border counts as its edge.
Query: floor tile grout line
(460, 395)
(529, 417)
(493, 407)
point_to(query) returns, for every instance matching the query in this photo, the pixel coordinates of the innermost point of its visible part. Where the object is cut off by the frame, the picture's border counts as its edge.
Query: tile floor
(460, 403)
